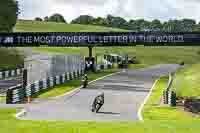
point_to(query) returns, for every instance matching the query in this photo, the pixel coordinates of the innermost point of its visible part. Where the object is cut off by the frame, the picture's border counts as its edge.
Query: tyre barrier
(169, 97)
(15, 94)
(18, 94)
(173, 98)
(165, 97)
(11, 73)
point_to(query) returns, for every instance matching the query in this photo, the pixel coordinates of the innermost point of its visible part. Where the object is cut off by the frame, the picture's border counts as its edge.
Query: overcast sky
(129, 9)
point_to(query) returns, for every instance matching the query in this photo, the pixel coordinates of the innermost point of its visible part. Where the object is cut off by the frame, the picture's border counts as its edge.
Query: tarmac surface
(124, 94)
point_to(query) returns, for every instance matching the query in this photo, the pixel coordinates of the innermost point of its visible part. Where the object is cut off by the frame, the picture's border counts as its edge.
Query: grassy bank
(64, 88)
(36, 26)
(10, 58)
(2, 99)
(153, 110)
(186, 82)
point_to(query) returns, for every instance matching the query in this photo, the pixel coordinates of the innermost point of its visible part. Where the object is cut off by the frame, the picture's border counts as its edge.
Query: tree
(57, 18)
(188, 25)
(133, 25)
(117, 22)
(166, 27)
(99, 21)
(173, 26)
(139, 25)
(38, 19)
(46, 19)
(9, 12)
(156, 25)
(83, 19)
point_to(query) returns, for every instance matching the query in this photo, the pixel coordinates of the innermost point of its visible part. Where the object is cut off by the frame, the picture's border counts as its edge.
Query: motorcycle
(96, 106)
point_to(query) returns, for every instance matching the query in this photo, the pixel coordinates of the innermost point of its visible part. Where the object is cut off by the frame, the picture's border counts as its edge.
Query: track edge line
(145, 101)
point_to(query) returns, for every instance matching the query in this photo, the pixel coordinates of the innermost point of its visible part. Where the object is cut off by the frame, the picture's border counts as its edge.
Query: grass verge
(36, 26)
(153, 110)
(10, 58)
(2, 99)
(186, 82)
(64, 88)
(137, 66)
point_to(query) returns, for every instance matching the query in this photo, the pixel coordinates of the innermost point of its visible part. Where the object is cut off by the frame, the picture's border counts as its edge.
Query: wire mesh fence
(43, 66)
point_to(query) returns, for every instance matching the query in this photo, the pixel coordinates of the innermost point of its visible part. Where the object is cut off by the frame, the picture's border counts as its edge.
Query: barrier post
(9, 96)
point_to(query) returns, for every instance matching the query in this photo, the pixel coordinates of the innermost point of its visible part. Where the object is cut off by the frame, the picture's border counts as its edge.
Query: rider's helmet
(102, 94)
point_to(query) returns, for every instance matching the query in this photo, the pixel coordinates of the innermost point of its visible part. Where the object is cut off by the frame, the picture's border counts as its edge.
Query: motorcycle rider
(85, 81)
(98, 103)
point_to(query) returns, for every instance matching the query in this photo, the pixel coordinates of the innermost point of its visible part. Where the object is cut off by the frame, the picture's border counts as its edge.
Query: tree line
(9, 12)
(183, 25)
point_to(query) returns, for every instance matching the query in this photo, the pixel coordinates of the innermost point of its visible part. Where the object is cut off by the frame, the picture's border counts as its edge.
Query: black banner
(85, 39)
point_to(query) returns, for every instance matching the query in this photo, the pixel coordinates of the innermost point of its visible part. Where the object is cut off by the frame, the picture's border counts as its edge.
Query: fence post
(25, 76)
(12, 72)
(173, 99)
(6, 74)
(48, 82)
(54, 81)
(9, 96)
(1, 75)
(32, 89)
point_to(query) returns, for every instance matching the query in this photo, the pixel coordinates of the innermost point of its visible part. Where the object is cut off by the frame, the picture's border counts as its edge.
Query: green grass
(157, 120)
(186, 81)
(58, 90)
(153, 110)
(137, 66)
(62, 89)
(2, 99)
(9, 124)
(10, 58)
(35, 26)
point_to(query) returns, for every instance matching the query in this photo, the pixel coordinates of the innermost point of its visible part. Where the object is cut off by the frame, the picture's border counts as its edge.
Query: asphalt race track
(124, 94)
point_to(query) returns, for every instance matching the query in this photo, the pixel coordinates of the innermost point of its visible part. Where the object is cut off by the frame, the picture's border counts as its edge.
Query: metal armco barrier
(19, 94)
(15, 95)
(50, 82)
(11, 73)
